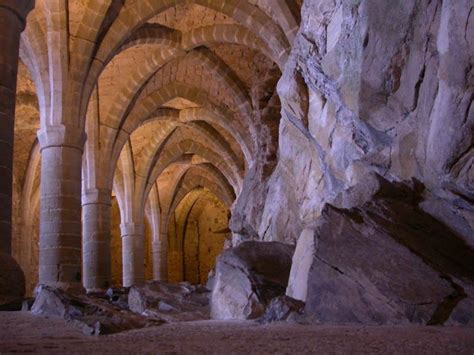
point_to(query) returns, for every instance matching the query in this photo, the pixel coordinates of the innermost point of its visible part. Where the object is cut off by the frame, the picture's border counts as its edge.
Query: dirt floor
(21, 332)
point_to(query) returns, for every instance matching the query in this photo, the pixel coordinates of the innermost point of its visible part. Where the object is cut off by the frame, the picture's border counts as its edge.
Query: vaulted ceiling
(174, 95)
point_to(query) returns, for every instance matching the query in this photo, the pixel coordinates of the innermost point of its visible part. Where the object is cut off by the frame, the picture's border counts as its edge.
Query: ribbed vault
(165, 101)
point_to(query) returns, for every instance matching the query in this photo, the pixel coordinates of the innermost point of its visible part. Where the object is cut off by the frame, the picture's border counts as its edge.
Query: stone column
(96, 258)
(60, 206)
(160, 259)
(12, 22)
(133, 253)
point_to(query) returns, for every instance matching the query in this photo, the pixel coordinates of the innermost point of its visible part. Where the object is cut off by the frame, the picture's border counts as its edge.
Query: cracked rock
(388, 262)
(248, 277)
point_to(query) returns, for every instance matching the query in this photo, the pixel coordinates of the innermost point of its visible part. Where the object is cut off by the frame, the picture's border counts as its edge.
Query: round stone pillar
(133, 253)
(60, 210)
(160, 259)
(12, 22)
(96, 258)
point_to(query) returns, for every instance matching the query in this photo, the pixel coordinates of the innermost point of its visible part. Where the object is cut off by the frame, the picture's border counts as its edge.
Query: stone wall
(197, 233)
(211, 225)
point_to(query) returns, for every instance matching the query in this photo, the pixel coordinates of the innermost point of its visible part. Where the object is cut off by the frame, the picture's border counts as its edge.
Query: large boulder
(12, 283)
(171, 302)
(248, 277)
(387, 262)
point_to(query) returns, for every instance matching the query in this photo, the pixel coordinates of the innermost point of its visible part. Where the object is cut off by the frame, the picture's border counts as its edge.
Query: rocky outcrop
(12, 284)
(248, 277)
(247, 207)
(387, 262)
(366, 104)
(170, 302)
(362, 95)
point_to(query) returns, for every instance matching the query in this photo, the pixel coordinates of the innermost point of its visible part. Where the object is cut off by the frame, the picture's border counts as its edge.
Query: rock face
(362, 95)
(388, 262)
(171, 302)
(12, 283)
(374, 89)
(248, 277)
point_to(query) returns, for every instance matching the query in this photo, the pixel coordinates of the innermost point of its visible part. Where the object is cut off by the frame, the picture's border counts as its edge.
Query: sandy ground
(21, 332)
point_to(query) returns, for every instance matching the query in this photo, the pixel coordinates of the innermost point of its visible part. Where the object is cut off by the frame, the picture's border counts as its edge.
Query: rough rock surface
(388, 262)
(283, 308)
(171, 302)
(12, 283)
(301, 263)
(362, 95)
(92, 315)
(248, 277)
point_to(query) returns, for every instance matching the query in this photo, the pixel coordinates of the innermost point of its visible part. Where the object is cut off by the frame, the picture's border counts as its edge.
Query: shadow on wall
(197, 231)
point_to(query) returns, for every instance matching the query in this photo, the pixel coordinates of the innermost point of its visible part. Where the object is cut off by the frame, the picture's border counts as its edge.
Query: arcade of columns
(146, 114)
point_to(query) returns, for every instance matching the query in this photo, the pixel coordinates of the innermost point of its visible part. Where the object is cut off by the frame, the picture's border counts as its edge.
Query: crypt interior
(249, 168)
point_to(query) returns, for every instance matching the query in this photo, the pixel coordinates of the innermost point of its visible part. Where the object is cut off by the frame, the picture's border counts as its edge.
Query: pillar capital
(20, 9)
(97, 196)
(129, 229)
(61, 136)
